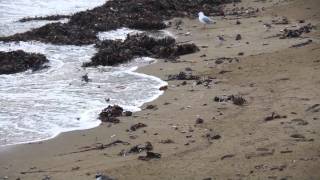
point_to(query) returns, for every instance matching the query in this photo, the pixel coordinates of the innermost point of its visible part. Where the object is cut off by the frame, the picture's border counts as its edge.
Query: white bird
(204, 19)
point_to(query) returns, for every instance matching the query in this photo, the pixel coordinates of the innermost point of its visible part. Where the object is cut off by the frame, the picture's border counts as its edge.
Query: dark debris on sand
(19, 61)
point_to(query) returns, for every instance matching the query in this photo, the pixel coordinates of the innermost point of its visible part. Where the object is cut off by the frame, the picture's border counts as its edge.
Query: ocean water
(39, 105)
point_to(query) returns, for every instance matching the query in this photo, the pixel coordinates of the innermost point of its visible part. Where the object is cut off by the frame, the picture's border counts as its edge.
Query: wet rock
(274, 116)
(136, 14)
(149, 156)
(183, 76)
(150, 106)
(111, 113)
(137, 126)
(294, 33)
(19, 61)
(163, 88)
(238, 37)
(115, 52)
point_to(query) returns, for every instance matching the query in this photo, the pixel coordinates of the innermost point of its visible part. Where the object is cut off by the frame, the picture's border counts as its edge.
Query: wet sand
(271, 76)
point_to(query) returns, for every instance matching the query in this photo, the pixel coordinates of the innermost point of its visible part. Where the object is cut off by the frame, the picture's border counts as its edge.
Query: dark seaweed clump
(19, 61)
(116, 52)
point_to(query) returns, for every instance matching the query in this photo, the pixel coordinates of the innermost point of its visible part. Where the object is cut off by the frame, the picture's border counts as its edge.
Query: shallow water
(39, 105)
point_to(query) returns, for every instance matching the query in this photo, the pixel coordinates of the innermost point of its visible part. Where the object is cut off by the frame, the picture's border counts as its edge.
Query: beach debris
(151, 106)
(238, 22)
(98, 146)
(221, 60)
(150, 155)
(227, 156)
(240, 53)
(237, 100)
(294, 33)
(220, 39)
(178, 23)
(262, 152)
(127, 113)
(183, 76)
(111, 113)
(137, 126)
(281, 21)
(166, 141)
(199, 121)
(46, 177)
(302, 44)
(238, 37)
(85, 78)
(267, 26)
(19, 61)
(100, 176)
(274, 116)
(163, 88)
(212, 136)
(137, 149)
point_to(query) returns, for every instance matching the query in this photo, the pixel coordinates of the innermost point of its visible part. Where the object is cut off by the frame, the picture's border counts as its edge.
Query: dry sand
(271, 76)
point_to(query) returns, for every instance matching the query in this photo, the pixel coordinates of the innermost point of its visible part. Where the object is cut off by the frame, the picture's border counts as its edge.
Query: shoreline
(272, 78)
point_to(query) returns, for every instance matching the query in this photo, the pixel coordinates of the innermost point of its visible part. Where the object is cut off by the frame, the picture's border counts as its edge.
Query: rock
(238, 37)
(85, 78)
(137, 126)
(115, 52)
(302, 44)
(199, 121)
(19, 61)
(111, 113)
(281, 21)
(238, 22)
(149, 156)
(46, 18)
(240, 53)
(136, 14)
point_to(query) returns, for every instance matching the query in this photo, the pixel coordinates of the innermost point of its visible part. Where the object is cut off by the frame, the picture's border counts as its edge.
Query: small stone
(238, 37)
(199, 121)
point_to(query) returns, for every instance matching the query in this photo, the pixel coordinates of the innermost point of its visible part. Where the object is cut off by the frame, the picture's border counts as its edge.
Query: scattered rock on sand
(137, 149)
(294, 33)
(183, 76)
(237, 100)
(19, 61)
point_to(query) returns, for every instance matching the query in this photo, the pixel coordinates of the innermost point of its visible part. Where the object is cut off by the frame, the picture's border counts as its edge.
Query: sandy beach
(199, 131)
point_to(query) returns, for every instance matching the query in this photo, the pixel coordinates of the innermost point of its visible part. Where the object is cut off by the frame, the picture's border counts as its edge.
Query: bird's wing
(207, 20)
